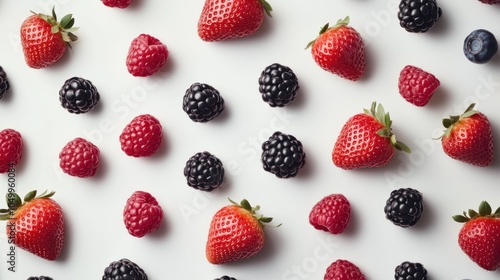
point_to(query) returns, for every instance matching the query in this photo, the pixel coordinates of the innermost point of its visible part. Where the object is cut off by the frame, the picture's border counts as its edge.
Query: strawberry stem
(448, 123)
(484, 211)
(263, 220)
(65, 26)
(326, 27)
(14, 202)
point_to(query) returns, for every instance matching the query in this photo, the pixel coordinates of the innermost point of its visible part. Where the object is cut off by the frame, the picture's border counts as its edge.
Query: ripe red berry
(142, 136)
(142, 214)
(122, 4)
(416, 85)
(343, 270)
(79, 158)
(146, 56)
(331, 214)
(11, 149)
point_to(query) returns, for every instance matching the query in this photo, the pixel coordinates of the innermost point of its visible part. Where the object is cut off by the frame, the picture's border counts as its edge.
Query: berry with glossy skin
(340, 50)
(142, 136)
(410, 270)
(282, 155)
(79, 158)
(224, 20)
(146, 56)
(366, 140)
(480, 46)
(202, 102)
(40, 278)
(404, 207)
(142, 214)
(331, 214)
(343, 270)
(41, 46)
(278, 85)
(469, 138)
(225, 277)
(78, 95)
(4, 82)
(204, 171)
(11, 149)
(124, 269)
(416, 85)
(122, 4)
(418, 16)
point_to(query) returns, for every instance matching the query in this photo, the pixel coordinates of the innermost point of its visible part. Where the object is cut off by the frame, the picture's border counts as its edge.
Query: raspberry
(278, 85)
(142, 214)
(4, 82)
(124, 269)
(40, 278)
(146, 56)
(343, 270)
(11, 149)
(142, 136)
(409, 270)
(79, 158)
(78, 95)
(404, 207)
(416, 85)
(202, 102)
(204, 171)
(117, 3)
(331, 214)
(282, 155)
(418, 16)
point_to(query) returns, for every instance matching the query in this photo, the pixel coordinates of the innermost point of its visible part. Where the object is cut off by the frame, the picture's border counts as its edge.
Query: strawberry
(44, 39)
(35, 224)
(340, 49)
(146, 56)
(142, 136)
(416, 85)
(142, 214)
(468, 138)
(366, 140)
(236, 232)
(230, 19)
(479, 237)
(11, 149)
(331, 214)
(343, 270)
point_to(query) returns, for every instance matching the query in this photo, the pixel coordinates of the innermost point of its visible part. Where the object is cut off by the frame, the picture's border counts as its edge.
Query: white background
(93, 207)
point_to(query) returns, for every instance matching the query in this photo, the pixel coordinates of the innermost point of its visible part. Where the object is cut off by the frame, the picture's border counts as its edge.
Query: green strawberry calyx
(450, 122)
(378, 112)
(267, 7)
(326, 27)
(263, 220)
(14, 202)
(484, 211)
(64, 27)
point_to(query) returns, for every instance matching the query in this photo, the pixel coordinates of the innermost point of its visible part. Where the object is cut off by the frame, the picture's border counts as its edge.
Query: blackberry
(282, 155)
(480, 46)
(78, 95)
(418, 16)
(202, 102)
(278, 85)
(204, 171)
(40, 278)
(124, 269)
(404, 207)
(225, 278)
(408, 270)
(4, 83)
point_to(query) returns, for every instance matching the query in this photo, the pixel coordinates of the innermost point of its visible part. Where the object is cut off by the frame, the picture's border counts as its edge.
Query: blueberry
(480, 46)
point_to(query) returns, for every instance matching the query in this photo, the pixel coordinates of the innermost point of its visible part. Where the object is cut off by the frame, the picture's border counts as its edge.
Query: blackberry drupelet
(78, 95)
(278, 85)
(40, 278)
(124, 269)
(202, 102)
(225, 277)
(418, 16)
(204, 171)
(409, 270)
(4, 83)
(404, 207)
(282, 155)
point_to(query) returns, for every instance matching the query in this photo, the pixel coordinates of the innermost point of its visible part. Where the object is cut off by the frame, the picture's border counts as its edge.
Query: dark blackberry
(404, 207)
(282, 155)
(408, 270)
(418, 16)
(225, 278)
(204, 171)
(202, 102)
(4, 83)
(124, 269)
(278, 85)
(78, 95)
(40, 278)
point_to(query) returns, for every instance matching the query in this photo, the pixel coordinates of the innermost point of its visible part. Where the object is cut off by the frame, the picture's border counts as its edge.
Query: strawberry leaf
(473, 214)
(54, 13)
(446, 123)
(29, 196)
(384, 132)
(267, 7)
(246, 205)
(460, 219)
(497, 212)
(484, 209)
(13, 200)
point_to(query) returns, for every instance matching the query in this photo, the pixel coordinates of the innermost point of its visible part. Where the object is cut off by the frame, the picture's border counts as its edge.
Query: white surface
(93, 207)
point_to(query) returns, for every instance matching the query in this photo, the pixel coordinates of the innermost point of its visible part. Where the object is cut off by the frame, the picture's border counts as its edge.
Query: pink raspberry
(142, 214)
(122, 4)
(11, 149)
(79, 158)
(142, 136)
(331, 214)
(416, 85)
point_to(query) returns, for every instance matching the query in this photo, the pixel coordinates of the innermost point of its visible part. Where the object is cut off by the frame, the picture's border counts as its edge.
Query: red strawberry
(416, 85)
(366, 140)
(146, 56)
(122, 4)
(340, 50)
(142, 136)
(44, 39)
(469, 138)
(35, 225)
(11, 149)
(79, 158)
(142, 214)
(343, 270)
(479, 237)
(230, 19)
(331, 214)
(236, 232)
